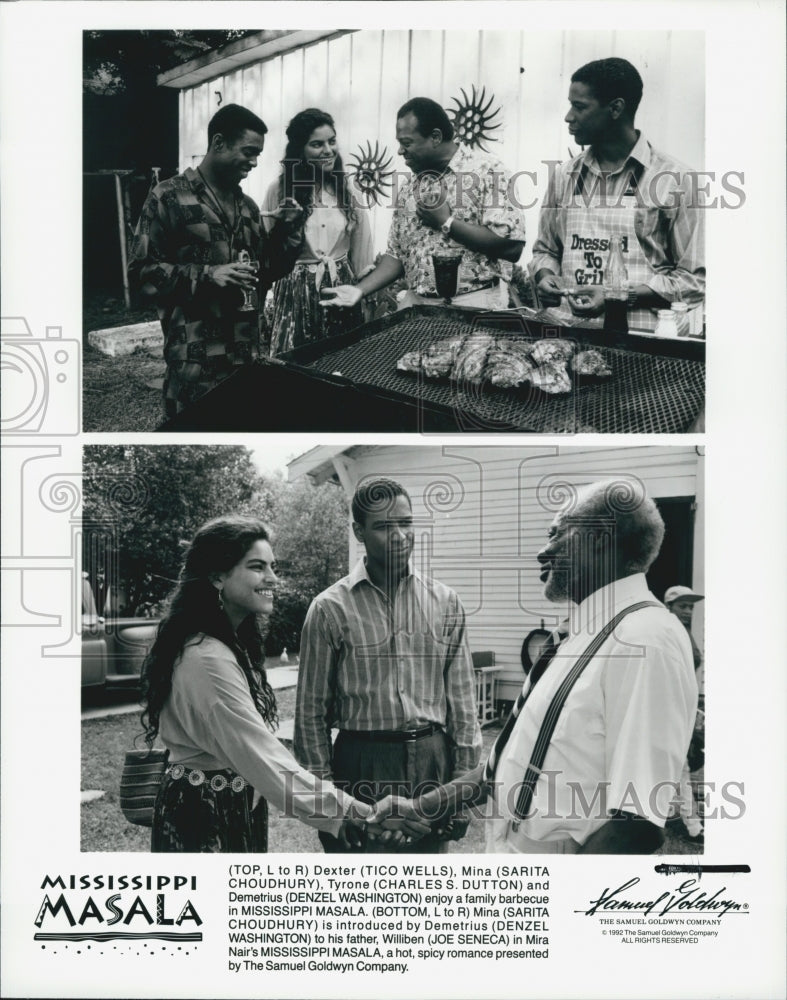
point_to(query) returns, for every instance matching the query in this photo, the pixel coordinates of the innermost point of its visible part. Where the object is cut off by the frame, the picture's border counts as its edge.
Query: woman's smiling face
(247, 589)
(321, 148)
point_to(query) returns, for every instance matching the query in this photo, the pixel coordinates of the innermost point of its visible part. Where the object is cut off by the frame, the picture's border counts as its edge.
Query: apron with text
(588, 230)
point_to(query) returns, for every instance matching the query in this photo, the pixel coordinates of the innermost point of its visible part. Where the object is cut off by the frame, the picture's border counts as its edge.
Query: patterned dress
(334, 252)
(199, 819)
(225, 764)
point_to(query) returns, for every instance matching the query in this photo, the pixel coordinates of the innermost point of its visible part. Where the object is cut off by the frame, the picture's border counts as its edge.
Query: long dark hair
(298, 177)
(194, 610)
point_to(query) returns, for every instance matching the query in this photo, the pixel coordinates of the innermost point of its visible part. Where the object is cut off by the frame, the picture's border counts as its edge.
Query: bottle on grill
(616, 290)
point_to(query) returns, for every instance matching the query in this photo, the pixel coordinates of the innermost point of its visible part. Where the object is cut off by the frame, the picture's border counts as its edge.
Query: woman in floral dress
(338, 244)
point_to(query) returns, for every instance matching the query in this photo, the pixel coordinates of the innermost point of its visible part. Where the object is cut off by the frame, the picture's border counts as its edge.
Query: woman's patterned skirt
(212, 815)
(298, 317)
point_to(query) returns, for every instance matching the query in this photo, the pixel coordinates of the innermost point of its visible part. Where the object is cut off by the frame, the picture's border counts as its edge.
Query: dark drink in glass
(616, 314)
(446, 272)
(616, 282)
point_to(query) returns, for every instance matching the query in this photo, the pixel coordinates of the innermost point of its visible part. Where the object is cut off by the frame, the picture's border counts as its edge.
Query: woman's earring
(221, 600)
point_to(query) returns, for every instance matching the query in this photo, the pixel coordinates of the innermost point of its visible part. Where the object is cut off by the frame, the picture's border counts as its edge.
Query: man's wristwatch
(446, 226)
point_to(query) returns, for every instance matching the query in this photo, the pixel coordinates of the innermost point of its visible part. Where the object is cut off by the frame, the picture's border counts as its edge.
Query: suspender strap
(541, 746)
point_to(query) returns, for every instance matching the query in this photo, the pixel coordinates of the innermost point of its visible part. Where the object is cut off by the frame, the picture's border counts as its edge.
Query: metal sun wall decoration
(370, 170)
(472, 119)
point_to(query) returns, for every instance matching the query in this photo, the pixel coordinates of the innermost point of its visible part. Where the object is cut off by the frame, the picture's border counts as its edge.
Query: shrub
(284, 626)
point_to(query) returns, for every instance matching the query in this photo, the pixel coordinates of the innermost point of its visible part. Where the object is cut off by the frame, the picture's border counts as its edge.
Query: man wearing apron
(619, 186)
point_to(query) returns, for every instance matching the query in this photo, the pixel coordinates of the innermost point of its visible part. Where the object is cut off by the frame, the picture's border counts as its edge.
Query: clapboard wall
(363, 77)
(482, 514)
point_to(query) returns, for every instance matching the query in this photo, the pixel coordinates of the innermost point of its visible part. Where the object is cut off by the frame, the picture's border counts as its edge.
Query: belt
(313, 262)
(218, 780)
(394, 735)
(489, 283)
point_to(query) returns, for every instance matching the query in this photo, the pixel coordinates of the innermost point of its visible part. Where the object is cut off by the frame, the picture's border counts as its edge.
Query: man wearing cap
(590, 757)
(680, 601)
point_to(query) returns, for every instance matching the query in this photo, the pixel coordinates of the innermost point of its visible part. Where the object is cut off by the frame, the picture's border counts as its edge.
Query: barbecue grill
(351, 382)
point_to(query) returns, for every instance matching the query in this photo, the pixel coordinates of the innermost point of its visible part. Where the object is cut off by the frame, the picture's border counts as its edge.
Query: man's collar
(608, 600)
(359, 573)
(641, 152)
(197, 181)
(194, 178)
(460, 157)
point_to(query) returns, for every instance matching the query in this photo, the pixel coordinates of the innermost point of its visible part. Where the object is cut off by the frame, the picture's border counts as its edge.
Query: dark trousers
(371, 769)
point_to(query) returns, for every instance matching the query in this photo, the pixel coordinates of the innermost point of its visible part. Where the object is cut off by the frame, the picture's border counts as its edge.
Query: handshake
(395, 821)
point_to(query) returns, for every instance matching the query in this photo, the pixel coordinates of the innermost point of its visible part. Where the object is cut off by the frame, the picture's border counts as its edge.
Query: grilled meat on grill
(505, 362)
(410, 362)
(469, 364)
(438, 360)
(544, 351)
(551, 377)
(590, 362)
(508, 363)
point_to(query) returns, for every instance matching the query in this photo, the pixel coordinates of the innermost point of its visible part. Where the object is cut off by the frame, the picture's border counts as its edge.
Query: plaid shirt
(369, 663)
(179, 237)
(668, 221)
(478, 188)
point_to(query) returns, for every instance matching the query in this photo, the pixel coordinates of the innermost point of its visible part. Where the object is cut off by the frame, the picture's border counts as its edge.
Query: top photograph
(395, 231)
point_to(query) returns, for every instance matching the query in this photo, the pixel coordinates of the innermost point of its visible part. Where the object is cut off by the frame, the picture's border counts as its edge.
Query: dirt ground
(118, 394)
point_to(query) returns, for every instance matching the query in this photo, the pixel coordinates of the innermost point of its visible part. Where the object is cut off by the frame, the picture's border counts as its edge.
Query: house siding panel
(480, 519)
(363, 77)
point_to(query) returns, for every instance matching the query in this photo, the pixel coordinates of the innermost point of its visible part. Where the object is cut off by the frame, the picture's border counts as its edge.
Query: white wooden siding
(480, 520)
(362, 78)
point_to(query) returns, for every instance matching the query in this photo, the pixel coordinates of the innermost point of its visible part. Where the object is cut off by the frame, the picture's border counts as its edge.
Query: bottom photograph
(384, 649)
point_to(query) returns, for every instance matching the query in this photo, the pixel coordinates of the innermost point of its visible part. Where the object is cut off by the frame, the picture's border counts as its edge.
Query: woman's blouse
(326, 229)
(210, 722)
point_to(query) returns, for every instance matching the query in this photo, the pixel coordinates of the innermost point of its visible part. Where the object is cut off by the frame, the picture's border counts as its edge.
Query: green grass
(104, 828)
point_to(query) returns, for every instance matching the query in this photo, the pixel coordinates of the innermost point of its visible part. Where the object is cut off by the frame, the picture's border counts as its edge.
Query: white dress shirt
(622, 736)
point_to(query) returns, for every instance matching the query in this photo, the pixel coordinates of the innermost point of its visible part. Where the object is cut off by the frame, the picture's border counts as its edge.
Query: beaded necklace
(232, 228)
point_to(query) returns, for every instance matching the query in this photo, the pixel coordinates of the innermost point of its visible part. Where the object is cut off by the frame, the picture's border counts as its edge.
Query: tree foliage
(310, 542)
(116, 61)
(145, 503)
(151, 500)
(311, 535)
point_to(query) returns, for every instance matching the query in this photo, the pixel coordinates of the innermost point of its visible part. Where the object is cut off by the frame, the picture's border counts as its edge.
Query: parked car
(113, 648)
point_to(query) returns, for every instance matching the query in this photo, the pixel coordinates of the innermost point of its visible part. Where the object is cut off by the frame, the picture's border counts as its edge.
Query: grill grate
(645, 394)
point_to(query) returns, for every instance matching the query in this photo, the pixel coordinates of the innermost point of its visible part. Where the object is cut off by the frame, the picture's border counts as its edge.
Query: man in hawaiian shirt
(457, 197)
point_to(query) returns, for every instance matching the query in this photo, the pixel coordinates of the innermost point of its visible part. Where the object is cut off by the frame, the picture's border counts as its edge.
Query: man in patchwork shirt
(458, 198)
(200, 254)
